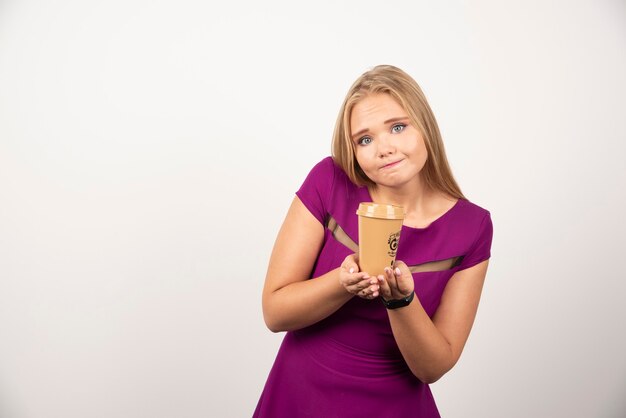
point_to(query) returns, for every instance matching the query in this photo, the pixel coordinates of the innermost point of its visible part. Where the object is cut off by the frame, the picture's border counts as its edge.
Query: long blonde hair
(402, 88)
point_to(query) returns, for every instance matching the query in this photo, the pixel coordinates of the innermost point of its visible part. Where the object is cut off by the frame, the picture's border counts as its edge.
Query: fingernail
(375, 294)
(351, 270)
(397, 271)
(374, 281)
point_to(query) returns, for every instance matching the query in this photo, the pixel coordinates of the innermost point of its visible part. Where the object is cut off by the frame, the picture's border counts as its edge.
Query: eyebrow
(362, 131)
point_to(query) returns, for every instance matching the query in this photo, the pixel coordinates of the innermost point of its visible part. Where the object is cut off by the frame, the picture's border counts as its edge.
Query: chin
(396, 179)
(394, 183)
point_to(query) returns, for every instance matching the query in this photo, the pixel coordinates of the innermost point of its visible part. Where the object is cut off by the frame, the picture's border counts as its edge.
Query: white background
(149, 151)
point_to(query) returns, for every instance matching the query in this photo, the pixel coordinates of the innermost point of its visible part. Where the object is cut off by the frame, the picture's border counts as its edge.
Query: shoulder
(479, 230)
(322, 190)
(470, 210)
(328, 175)
(321, 176)
(327, 166)
(471, 221)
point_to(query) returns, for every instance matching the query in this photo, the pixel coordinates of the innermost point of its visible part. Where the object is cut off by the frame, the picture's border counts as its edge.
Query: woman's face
(388, 148)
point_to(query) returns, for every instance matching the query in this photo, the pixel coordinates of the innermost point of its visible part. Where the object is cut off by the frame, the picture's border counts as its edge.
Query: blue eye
(398, 127)
(365, 140)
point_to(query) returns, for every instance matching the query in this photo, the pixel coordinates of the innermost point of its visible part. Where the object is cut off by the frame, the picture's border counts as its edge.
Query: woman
(356, 345)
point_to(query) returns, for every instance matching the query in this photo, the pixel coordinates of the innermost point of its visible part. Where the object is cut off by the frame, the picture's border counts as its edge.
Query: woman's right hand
(357, 282)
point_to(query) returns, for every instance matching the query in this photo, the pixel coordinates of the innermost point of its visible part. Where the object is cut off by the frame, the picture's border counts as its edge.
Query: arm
(432, 347)
(290, 300)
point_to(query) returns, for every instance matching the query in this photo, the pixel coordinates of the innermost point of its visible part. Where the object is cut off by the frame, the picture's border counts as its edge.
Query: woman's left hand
(397, 283)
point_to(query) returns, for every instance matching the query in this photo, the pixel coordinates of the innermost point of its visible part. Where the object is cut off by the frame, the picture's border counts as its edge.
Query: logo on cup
(393, 243)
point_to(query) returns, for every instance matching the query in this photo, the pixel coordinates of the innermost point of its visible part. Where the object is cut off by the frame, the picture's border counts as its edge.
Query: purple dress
(349, 365)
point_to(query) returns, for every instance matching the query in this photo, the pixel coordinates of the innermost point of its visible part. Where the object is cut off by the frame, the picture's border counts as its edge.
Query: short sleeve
(316, 189)
(481, 248)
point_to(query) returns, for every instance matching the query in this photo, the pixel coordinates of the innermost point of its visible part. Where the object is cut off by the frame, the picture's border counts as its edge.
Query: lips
(390, 165)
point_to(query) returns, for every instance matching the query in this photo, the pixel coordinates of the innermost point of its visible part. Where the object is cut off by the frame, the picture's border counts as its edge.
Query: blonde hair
(402, 88)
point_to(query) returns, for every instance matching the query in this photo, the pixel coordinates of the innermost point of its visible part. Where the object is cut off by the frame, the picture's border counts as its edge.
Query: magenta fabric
(348, 365)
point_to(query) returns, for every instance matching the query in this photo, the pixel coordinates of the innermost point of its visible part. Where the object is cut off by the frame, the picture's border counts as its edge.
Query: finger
(366, 283)
(351, 263)
(373, 288)
(370, 292)
(404, 269)
(354, 279)
(363, 284)
(401, 264)
(350, 266)
(391, 279)
(403, 286)
(404, 278)
(385, 290)
(374, 291)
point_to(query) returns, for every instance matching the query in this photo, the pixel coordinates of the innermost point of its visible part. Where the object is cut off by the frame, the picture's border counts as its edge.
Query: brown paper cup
(379, 233)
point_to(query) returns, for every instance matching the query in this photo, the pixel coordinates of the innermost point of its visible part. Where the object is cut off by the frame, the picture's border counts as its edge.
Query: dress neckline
(436, 221)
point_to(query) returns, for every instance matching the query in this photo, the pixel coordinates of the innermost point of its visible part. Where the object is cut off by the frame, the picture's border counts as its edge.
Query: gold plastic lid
(377, 210)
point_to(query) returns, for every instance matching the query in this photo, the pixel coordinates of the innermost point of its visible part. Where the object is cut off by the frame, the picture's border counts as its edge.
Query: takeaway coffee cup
(379, 233)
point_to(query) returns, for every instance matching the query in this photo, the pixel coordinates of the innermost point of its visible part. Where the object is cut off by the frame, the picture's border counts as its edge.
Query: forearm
(426, 351)
(304, 303)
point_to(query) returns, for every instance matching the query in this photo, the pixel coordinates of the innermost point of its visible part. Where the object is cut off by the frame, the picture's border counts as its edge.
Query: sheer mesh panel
(440, 265)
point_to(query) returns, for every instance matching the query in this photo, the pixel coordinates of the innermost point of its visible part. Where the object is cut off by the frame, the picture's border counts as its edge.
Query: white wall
(149, 151)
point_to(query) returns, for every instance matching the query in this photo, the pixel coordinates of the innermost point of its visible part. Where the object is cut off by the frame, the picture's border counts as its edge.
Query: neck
(413, 196)
(422, 205)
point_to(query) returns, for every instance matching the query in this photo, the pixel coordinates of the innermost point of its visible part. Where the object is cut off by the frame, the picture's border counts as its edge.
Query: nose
(385, 146)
